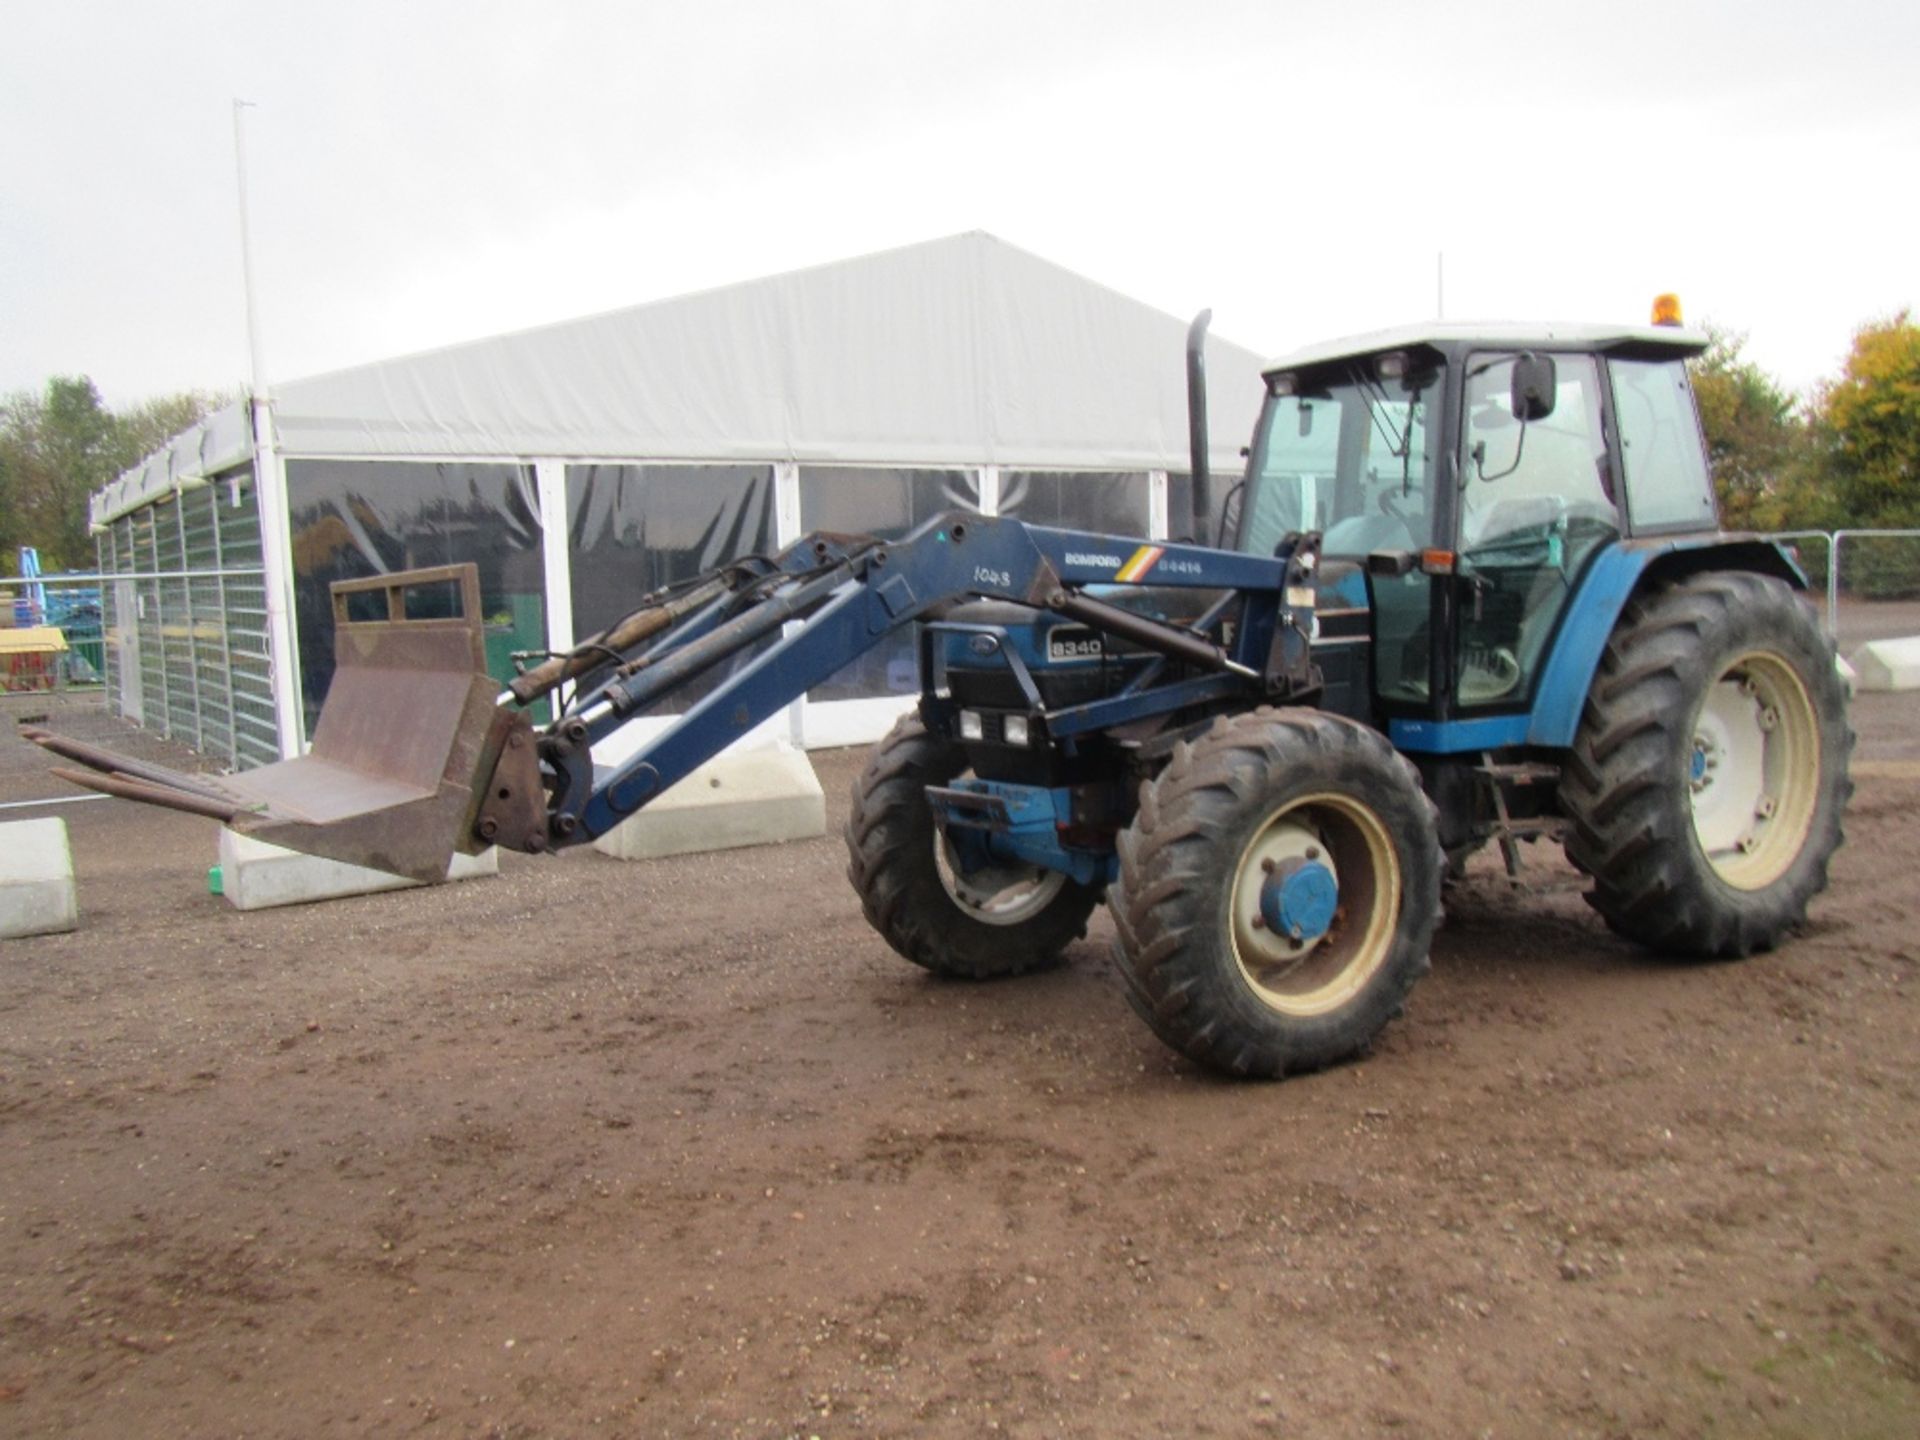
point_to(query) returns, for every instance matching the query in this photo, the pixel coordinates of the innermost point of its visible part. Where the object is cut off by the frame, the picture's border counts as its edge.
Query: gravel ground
(680, 1149)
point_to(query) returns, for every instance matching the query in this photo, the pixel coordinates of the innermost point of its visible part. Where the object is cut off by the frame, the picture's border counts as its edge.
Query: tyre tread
(891, 867)
(1631, 829)
(1167, 944)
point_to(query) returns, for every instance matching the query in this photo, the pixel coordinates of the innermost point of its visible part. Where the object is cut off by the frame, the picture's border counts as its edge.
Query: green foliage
(1850, 459)
(58, 447)
(147, 426)
(1760, 447)
(1869, 420)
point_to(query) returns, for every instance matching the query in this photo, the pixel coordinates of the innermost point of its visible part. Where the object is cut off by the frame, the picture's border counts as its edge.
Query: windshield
(1349, 457)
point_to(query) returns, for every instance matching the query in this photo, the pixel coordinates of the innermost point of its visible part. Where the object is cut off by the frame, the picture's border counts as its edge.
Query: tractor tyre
(998, 921)
(1278, 893)
(1707, 780)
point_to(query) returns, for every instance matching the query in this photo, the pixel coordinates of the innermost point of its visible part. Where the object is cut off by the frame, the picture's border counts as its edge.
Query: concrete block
(1849, 676)
(752, 797)
(1889, 664)
(37, 895)
(258, 876)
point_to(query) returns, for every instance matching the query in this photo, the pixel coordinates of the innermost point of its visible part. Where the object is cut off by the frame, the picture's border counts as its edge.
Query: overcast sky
(423, 173)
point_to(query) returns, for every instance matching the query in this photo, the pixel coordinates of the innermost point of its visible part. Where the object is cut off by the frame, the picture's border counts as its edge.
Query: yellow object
(1666, 310)
(1139, 563)
(27, 658)
(37, 640)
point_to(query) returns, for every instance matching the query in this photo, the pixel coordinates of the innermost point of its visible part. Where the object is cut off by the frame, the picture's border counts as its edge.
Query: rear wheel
(1707, 781)
(997, 920)
(1278, 893)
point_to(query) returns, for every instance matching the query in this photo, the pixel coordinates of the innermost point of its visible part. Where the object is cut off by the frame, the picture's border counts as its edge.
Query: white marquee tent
(581, 463)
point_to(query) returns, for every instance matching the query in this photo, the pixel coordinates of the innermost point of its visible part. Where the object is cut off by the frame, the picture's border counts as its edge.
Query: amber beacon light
(1666, 310)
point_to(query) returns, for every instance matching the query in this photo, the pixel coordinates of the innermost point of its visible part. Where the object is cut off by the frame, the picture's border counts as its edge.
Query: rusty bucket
(409, 729)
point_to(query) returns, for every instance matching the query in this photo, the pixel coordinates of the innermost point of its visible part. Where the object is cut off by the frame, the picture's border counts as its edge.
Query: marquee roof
(964, 350)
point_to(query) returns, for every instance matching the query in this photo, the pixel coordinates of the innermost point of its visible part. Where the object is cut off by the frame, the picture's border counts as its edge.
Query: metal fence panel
(53, 635)
(188, 616)
(1873, 587)
(256, 734)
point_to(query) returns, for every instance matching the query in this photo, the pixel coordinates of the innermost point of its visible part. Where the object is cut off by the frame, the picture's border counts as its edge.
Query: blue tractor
(1470, 590)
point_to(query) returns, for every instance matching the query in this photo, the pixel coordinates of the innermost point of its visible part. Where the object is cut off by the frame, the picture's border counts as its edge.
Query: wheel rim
(1304, 973)
(996, 894)
(1753, 773)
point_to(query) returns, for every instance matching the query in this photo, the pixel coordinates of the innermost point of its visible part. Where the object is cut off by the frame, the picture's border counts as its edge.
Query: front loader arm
(414, 757)
(850, 594)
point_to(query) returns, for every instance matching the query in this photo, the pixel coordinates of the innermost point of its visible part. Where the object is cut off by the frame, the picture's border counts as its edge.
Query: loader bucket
(407, 732)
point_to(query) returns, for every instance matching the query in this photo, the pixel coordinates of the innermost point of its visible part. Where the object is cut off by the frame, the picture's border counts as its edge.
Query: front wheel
(995, 920)
(1278, 893)
(1709, 774)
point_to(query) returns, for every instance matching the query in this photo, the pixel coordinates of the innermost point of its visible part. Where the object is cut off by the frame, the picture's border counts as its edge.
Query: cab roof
(1499, 335)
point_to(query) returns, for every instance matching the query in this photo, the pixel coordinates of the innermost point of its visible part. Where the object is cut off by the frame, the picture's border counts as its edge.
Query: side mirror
(1534, 386)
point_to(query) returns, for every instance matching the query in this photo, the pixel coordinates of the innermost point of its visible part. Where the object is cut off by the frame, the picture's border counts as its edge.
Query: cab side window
(1668, 487)
(1518, 478)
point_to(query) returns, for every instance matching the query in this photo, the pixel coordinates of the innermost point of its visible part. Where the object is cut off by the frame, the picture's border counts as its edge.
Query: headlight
(970, 725)
(1015, 729)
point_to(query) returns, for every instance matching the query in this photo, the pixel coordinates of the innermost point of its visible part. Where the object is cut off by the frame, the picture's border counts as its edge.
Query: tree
(57, 448)
(1756, 439)
(1870, 421)
(152, 423)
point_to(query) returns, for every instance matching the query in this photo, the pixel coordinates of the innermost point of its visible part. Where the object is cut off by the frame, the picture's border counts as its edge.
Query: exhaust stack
(1197, 446)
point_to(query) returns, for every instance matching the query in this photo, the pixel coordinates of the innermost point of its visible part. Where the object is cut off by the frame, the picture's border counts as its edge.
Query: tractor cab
(1465, 481)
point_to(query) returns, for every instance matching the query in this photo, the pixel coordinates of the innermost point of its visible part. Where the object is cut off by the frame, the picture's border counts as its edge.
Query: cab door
(1536, 503)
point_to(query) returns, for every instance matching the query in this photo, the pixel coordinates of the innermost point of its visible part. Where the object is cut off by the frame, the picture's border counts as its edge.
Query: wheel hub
(1284, 879)
(1313, 904)
(1753, 770)
(1700, 772)
(994, 891)
(1299, 898)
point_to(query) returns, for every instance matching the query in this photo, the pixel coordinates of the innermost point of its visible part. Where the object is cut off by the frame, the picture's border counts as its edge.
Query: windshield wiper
(1399, 443)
